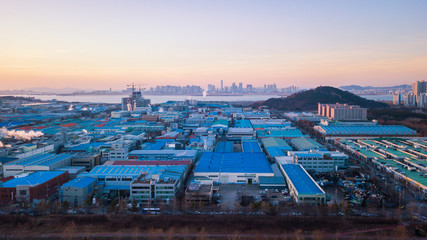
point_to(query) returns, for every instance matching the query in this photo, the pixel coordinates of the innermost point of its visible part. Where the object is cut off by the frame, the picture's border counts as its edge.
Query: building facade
(342, 112)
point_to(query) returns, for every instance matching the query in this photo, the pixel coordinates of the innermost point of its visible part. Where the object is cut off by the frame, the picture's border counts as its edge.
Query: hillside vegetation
(307, 100)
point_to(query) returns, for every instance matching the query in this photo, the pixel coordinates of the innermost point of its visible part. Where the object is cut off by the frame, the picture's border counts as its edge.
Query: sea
(155, 99)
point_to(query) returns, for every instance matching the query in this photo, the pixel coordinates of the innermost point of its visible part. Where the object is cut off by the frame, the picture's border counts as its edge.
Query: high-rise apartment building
(342, 112)
(410, 100)
(419, 87)
(397, 99)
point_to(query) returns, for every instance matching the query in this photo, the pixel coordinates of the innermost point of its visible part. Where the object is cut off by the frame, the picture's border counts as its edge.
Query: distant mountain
(54, 90)
(360, 88)
(307, 100)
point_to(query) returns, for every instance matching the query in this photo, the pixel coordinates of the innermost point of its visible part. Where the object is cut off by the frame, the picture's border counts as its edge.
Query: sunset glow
(106, 44)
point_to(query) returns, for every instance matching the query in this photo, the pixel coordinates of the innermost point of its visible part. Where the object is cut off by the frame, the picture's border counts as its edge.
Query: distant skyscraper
(410, 100)
(397, 99)
(419, 87)
(222, 86)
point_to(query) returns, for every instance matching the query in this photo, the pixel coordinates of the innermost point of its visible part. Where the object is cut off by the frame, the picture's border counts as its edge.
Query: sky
(106, 44)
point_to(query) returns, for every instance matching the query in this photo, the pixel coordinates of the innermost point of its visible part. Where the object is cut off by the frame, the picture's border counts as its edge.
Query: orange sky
(103, 44)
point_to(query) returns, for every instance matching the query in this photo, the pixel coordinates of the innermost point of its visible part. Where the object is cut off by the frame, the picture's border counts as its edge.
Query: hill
(307, 100)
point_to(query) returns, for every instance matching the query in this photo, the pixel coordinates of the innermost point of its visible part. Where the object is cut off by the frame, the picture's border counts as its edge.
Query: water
(154, 98)
(382, 97)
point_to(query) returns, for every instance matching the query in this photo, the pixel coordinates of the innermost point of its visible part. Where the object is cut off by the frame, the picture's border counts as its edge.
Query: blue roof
(105, 170)
(80, 182)
(376, 130)
(4, 160)
(244, 123)
(32, 179)
(86, 146)
(224, 147)
(41, 160)
(276, 151)
(158, 145)
(233, 163)
(251, 147)
(303, 183)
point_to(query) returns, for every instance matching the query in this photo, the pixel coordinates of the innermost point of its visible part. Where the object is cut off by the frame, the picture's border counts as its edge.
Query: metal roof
(41, 159)
(251, 147)
(275, 142)
(303, 183)
(368, 130)
(233, 163)
(33, 179)
(303, 144)
(224, 147)
(80, 182)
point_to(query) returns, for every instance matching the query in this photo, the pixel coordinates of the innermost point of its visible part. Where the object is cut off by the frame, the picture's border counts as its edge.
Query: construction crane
(133, 85)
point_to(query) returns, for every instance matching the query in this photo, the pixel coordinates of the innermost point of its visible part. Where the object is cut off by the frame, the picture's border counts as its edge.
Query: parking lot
(230, 195)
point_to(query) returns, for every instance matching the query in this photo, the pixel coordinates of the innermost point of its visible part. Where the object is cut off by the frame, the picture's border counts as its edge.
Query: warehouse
(307, 144)
(115, 178)
(118, 179)
(233, 167)
(301, 185)
(32, 187)
(224, 146)
(320, 161)
(237, 134)
(43, 162)
(270, 123)
(251, 147)
(275, 147)
(368, 130)
(73, 172)
(86, 159)
(77, 191)
(165, 154)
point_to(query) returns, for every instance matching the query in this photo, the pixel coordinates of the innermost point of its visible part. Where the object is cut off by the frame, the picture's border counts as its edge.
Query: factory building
(160, 183)
(224, 146)
(238, 134)
(32, 187)
(117, 179)
(320, 161)
(113, 179)
(251, 147)
(43, 162)
(73, 172)
(77, 191)
(307, 144)
(360, 130)
(275, 147)
(120, 149)
(302, 186)
(166, 154)
(86, 159)
(245, 167)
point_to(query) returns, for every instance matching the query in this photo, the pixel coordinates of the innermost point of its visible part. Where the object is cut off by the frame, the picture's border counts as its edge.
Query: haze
(108, 44)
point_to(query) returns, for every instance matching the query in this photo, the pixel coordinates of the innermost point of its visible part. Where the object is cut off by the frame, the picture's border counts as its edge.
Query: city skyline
(104, 44)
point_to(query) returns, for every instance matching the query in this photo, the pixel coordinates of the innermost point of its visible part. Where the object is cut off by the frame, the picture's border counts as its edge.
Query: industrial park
(203, 120)
(206, 158)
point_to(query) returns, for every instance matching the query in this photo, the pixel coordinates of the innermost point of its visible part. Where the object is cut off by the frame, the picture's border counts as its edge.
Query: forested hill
(307, 100)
